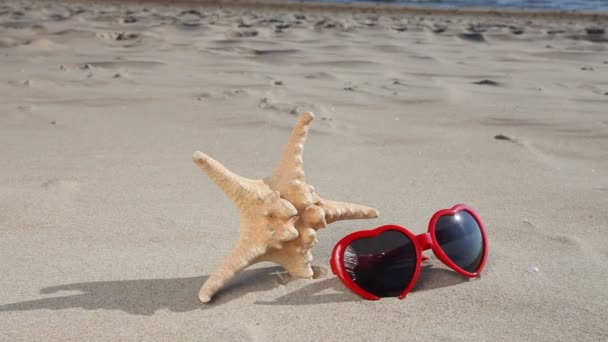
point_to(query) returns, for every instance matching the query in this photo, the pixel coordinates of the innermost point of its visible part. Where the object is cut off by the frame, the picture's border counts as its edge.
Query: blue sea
(564, 5)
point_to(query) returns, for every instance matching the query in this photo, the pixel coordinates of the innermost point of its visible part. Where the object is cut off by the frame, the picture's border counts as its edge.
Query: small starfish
(279, 215)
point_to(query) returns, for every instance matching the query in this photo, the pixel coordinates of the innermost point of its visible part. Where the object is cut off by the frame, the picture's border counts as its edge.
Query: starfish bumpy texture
(279, 215)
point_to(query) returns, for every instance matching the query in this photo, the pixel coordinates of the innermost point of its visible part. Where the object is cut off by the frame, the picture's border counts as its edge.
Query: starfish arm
(295, 255)
(295, 263)
(300, 267)
(337, 211)
(235, 186)
(291, 164)
(241, 256)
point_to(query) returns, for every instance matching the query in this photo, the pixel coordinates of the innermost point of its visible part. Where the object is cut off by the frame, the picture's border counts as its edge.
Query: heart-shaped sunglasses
(386, 261)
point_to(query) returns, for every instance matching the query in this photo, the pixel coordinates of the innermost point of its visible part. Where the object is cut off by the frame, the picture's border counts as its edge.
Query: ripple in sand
(190, 25)
(512, 122)
(320, 76)
(120, 64)
(232, 50)
(17, 25)
(271, 52)
(342, 63)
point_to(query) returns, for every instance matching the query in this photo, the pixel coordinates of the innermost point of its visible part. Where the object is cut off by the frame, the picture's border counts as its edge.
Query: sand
(107, 228)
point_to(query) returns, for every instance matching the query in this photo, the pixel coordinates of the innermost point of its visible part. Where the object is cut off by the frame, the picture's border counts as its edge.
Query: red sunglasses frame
(421, 243)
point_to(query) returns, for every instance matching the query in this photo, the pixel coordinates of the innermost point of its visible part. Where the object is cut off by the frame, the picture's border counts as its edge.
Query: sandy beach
(108, 229)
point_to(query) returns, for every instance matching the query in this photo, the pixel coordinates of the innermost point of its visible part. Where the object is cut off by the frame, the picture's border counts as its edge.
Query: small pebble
(439, 29)
(533, 269)
(53, 122)
(517, 31)
(503, 137)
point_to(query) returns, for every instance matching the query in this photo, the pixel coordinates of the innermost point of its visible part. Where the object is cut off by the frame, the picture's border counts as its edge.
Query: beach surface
(108, 229)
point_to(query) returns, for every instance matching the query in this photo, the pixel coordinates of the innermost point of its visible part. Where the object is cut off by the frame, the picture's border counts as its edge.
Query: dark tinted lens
(382, 265)
(459, 236)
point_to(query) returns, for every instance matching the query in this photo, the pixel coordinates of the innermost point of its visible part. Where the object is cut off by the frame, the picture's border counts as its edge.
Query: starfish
(279, 214)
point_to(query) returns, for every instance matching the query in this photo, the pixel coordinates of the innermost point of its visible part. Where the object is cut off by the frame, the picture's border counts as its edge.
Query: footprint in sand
(42, 44)
(129, 20)
(8, 42)
(292, 108)
(190, 19)
(57, 16)
(516, 30)
(476, 37)
(550, 236)
(118, 36)
(438, 29)
(190, 14)
(592, 34)
(487, 82)
(222, 95)
(65, 186)
(244, 34)
(190, 25)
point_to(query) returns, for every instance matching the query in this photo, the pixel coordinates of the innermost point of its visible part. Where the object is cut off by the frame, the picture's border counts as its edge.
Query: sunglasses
(386, 261)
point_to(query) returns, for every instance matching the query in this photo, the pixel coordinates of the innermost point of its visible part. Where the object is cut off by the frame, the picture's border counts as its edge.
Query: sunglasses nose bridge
(424, 241)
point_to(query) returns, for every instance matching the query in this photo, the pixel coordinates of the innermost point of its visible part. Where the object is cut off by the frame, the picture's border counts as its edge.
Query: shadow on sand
(430, 278)
(146, 296)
